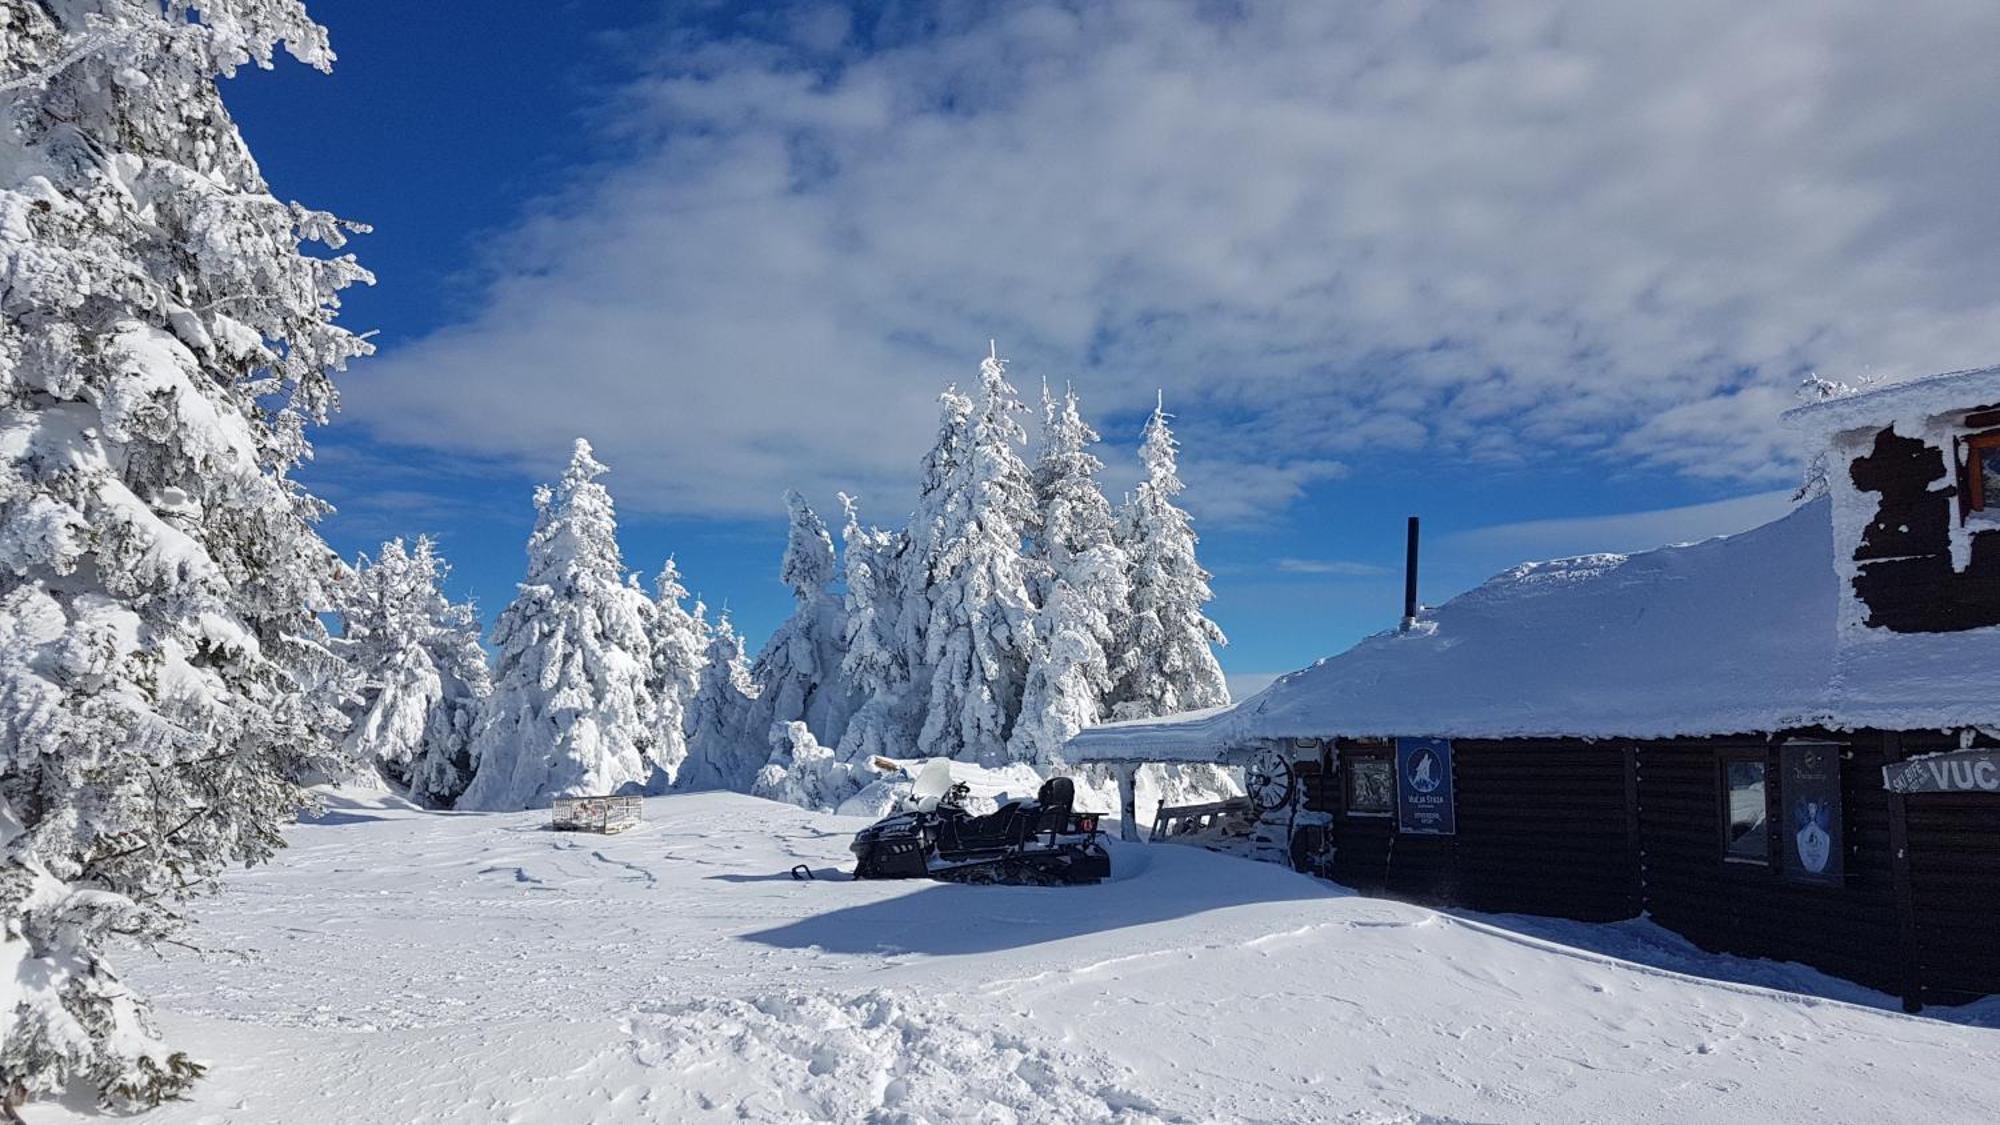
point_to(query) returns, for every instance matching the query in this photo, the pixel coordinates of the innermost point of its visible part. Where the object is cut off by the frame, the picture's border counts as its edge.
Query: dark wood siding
(1599, 830)
(1849, 929)
(1954, 849)
(1542, 829)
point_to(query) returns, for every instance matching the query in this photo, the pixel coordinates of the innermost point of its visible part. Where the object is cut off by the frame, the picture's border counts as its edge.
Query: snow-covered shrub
(804, 773)
(165, 682)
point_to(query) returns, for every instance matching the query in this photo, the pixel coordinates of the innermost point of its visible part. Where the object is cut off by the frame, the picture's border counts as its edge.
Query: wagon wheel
(1268, 780)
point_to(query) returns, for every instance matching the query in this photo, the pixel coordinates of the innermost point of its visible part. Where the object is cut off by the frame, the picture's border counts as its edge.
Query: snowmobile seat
(1057, 799)
(998, 829)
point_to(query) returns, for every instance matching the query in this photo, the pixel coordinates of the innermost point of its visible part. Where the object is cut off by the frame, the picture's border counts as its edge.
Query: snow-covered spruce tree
(875, 666)
(164, 345)
(678, 640)
(980, 635)
(722, 753)
(423, 675)
(1166, 658)
(1081, 573)
(570, 713)
(940, 507)
(798, 673)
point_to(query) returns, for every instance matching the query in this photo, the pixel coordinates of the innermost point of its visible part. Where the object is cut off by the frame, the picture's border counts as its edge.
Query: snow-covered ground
(403, 966)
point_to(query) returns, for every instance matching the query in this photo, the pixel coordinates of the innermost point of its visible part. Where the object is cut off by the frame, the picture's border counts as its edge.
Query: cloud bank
(1327, 230)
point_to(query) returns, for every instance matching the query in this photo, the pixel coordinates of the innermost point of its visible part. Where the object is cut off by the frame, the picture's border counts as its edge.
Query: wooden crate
(594, 814)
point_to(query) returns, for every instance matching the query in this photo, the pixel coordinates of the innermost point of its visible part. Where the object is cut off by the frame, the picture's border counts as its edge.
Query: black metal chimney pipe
(1410, 579)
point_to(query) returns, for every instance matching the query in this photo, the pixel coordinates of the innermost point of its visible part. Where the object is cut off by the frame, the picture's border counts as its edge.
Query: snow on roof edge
(1930, 394)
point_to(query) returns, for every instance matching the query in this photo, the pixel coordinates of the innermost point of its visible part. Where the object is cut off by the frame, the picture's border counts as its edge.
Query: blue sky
(1543, 273)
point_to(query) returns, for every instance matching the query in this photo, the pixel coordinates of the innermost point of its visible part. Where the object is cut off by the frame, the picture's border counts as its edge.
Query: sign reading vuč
(1961, 771)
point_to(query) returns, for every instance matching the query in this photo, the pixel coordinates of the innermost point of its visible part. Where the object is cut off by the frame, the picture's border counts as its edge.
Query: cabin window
(1370, 783)
(1746, 830)
(1982, 473)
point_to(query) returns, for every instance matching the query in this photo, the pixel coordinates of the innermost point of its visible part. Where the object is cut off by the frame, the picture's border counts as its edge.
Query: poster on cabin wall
(1426, 804)
(1809, 789)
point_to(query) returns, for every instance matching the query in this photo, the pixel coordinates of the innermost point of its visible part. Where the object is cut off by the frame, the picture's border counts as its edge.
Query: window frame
(1761, 757)
(1973, 476)
(1349, 757)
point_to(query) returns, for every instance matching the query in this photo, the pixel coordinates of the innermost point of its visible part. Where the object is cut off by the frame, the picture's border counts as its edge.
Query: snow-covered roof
(1737, 634)
(1932, 394)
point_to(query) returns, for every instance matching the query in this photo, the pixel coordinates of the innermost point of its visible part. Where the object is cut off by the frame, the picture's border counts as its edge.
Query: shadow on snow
(1149, 884)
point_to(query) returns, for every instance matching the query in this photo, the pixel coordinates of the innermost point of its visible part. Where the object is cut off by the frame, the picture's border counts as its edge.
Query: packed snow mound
(882, 1056)
(1729, 635)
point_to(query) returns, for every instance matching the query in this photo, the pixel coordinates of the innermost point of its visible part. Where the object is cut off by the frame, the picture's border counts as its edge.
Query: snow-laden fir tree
(570, 712)
(678, 640)
(1080, 571)
(798, 673)
(940, 507)
(720, 754)
(979, 637)
(1166, 649)
(164, 345)
(874, 664)
(424, 678)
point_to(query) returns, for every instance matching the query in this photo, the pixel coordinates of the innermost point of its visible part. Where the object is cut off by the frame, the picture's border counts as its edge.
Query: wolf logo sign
(1425, 801)
(1810, 783)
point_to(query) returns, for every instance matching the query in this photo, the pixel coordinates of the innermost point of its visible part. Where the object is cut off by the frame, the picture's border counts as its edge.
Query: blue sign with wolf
(1426, 803)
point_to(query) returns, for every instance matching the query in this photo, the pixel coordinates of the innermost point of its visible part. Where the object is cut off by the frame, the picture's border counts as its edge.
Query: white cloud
(1534, 230)
(1243, 685)
(1336, 568)
(1624, 532)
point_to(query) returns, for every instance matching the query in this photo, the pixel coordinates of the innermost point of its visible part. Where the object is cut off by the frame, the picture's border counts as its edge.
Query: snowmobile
(1042, 842)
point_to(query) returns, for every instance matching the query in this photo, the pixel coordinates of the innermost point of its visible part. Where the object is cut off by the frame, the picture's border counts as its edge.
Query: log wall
(1600, 831)
(1954, 875)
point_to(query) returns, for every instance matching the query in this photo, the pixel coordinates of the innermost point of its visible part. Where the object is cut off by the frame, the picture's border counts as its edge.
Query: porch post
(1899, 881)
(1128, 801)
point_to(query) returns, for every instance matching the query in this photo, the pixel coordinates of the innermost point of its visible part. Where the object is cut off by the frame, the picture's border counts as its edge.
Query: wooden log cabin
(1782, 744)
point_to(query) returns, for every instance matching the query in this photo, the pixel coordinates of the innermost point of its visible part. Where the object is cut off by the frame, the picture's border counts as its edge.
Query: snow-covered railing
(1182, 820)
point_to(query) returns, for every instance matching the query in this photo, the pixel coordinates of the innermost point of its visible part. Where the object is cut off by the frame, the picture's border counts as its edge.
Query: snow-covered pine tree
(164, 346)
(798, 673)
(1166, 658)
(875, 666)
(1081, 573)
(423, 675)
(721, 752)
(941, 498)
(980, 634)
(570, 713)
(678, 641)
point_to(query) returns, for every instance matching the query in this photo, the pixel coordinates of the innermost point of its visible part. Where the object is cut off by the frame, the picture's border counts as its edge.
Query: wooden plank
(1909, 980)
